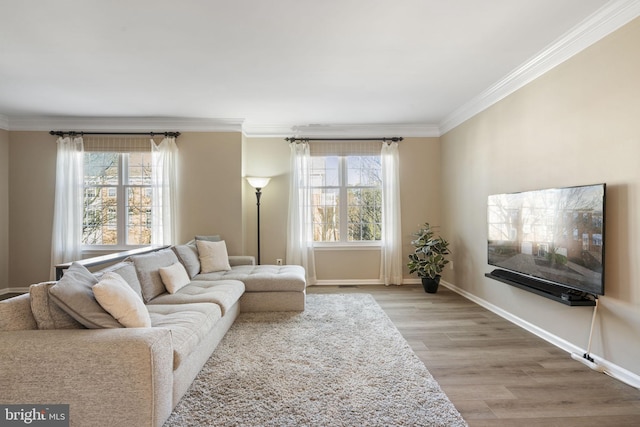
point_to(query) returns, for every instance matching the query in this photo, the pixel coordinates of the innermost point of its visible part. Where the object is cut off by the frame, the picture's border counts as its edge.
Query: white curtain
(391, 262)
(300, 224)
(66, 238)
(164, 183)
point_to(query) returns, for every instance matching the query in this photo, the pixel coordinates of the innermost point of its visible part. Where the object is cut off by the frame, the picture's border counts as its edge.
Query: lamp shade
(258, 182)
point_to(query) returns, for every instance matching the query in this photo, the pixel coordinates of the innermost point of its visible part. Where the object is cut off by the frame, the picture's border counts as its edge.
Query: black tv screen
(556, 235)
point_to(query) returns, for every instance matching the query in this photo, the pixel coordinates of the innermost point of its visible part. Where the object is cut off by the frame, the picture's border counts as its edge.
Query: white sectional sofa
(59, 346)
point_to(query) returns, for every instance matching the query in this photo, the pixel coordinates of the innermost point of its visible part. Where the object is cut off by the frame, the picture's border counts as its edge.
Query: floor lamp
(258, 184)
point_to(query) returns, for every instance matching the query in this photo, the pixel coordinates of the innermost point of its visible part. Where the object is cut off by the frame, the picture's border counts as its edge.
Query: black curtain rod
(392, 139)
(76, 133)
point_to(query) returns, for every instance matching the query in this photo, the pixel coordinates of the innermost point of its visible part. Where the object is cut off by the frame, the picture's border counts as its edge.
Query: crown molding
(185, 124)
(341, 130)
(143, 124)
(603, 22)
(266, 130)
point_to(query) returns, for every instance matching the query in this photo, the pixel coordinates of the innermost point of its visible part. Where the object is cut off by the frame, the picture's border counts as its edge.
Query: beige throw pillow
(121, 301)
(174, 277)
(213, 256)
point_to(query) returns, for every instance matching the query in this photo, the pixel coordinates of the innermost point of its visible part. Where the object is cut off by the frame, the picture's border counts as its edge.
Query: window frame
(343, 192)
(122, 189)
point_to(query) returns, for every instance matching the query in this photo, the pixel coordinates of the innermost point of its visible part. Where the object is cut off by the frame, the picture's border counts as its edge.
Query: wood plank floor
(496, 373)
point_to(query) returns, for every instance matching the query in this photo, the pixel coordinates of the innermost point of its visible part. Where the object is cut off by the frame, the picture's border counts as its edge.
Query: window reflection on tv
(556, 235)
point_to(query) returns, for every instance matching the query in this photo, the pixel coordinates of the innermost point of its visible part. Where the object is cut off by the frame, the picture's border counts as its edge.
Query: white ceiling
(280, 65)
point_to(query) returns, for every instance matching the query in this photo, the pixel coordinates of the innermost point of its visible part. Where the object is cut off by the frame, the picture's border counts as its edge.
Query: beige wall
(32, 175)
(210, 187)
(4, 209)
(577, 124)
(420, 194)
(266, 157)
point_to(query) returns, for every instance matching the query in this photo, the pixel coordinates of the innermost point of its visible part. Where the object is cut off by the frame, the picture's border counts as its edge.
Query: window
(117, 198)
(346, 198)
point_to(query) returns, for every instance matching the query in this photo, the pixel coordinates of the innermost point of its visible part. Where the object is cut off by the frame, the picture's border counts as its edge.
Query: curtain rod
(392, 139)
(75, 133)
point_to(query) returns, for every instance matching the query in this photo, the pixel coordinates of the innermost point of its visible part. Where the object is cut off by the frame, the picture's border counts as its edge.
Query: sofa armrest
(235, 260)
(115, 377)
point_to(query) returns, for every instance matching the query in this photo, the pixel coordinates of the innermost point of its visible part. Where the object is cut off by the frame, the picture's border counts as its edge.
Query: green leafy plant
(428, 258)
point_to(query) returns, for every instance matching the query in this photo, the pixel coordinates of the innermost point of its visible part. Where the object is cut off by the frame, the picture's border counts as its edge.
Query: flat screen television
(555, 236)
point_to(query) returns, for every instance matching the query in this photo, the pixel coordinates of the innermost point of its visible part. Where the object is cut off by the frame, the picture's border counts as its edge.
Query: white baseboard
(350, 282)
(355, 282)
(610, 368)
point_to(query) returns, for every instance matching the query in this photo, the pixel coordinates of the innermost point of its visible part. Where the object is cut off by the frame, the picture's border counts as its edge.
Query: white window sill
(98, 250)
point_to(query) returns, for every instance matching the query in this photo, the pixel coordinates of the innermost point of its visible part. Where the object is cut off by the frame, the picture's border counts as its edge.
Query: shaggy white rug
(341, 362)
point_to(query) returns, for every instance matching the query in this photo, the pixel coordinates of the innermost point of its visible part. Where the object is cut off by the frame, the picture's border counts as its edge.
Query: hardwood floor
(496, 373)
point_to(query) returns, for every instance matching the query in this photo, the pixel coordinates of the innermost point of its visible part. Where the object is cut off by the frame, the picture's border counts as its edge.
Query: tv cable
(586, 358)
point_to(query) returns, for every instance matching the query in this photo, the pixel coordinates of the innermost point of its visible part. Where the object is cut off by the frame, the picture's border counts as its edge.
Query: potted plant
(428, 259)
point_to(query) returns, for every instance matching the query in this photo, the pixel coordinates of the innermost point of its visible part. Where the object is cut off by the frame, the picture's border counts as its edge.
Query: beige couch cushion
(127, 271)
(47, 313)
(212, 238)
(241, 260)
(224, 293)
(263, 278)
(74, 294)
(189, 325)
(15, 314)
(148, 269)
(188, 255)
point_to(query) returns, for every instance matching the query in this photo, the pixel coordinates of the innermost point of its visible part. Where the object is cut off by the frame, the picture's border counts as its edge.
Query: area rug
(341, 362)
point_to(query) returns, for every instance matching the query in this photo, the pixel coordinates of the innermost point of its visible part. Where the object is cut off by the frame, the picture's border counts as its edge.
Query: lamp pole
(258, 195)
(258, 184)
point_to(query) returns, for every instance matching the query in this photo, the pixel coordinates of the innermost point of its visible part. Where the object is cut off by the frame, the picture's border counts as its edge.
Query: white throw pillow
(174, 277)
(213, 256)
(115, 295)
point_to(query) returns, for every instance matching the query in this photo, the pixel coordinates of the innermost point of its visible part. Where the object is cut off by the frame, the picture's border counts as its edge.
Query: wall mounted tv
(550, 237)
